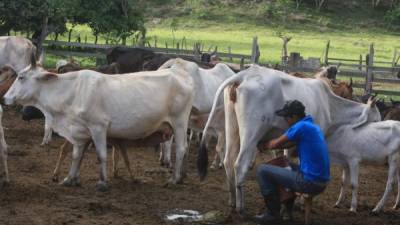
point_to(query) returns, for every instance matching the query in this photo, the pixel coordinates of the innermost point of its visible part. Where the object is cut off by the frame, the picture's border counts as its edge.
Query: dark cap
(291, 108)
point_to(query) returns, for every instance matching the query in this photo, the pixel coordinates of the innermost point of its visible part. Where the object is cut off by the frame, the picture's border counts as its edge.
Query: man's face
(291, 119)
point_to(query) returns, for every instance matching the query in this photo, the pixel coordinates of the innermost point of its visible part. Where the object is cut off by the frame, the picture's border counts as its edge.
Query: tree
(298, 3)
(117, 18)
(114, 18)
(319, 4)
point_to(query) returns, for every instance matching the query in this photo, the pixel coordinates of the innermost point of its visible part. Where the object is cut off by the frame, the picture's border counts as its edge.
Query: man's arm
(278, 143)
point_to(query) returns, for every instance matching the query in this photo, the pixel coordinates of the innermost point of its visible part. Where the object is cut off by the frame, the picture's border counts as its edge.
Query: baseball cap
(293, 107)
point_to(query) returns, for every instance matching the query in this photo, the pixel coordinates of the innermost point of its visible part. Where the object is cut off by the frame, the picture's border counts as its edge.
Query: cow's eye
(21, 78)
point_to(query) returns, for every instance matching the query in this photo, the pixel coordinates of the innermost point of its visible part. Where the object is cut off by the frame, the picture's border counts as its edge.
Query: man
(310, 177)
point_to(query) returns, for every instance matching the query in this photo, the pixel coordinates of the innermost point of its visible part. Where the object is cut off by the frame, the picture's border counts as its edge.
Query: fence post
(360, 63)
(255, 51)
(370, 73)
(394, 61)
(230, 54)
(326, 60)
(69, 35)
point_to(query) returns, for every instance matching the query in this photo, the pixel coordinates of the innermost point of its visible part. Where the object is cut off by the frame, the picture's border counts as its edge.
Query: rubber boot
(272, 212)
(287, 210)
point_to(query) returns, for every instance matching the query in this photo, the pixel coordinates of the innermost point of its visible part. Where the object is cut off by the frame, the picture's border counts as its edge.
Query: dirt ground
(33, 198)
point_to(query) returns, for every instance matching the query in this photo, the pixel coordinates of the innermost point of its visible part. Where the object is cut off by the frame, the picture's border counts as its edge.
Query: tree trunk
(298, 3)
(43, 36)
(319, 4)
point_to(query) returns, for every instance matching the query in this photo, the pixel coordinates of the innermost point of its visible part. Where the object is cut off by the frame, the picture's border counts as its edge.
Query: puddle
(182, 215)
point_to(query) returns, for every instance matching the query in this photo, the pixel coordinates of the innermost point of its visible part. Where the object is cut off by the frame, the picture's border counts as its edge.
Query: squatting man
(311, 176)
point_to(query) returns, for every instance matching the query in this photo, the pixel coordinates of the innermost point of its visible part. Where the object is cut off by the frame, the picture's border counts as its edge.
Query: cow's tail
(202, 158)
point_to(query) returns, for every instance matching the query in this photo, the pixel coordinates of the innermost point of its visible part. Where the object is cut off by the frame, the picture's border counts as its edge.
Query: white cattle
(251, 97)
(351, 144)
(206, 83)
(16, 52)
(87, 105)
(4, 179)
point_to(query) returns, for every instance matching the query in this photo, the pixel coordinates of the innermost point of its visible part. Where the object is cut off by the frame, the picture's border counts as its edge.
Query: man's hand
(270, 145)
(266, 145)
(274, 143)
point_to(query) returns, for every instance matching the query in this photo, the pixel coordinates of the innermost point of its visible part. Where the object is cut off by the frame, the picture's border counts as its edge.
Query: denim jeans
(269, 177)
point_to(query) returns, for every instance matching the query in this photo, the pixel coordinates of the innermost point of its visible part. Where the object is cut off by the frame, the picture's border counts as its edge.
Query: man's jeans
(269, 177)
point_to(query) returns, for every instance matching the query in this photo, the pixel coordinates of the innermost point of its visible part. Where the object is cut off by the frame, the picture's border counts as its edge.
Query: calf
(366, 141)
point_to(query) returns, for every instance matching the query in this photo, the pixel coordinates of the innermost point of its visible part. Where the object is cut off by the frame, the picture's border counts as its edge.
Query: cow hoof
(101, 186)
(173, 181)
(70, 182)
(352, 210)
(115, 174)
(375, 211)
(55, 178)
(4, 183)
(396, 206)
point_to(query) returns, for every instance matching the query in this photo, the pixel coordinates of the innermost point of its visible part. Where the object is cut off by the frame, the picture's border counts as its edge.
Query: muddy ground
(33, 198)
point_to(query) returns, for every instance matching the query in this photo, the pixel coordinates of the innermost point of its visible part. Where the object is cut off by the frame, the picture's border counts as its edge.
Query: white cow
(16, 52)
(251, 97)
(3, 153)
(87, 105)
(206, 83)
(371, 142)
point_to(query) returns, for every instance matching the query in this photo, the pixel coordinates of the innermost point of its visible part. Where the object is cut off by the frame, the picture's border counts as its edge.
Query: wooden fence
(370, 75)
(64, 48)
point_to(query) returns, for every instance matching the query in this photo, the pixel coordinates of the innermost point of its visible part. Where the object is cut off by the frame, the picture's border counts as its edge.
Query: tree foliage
(118, 18)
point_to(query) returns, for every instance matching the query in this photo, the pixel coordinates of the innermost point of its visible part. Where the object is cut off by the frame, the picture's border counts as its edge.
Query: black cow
(129, 59)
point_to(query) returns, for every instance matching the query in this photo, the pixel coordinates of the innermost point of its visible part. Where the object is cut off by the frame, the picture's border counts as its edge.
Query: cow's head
(28, 84)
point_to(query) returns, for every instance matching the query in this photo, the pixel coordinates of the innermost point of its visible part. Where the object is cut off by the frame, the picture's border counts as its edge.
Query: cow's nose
(7, 101)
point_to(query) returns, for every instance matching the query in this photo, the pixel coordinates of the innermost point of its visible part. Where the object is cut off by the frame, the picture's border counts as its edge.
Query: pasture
(33, 198)
(310, 42)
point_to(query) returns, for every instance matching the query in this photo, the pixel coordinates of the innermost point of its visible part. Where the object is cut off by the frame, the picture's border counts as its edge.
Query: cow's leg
(47, 131)
(354, 171)
(180, 142)
(393, 167)
(124, 154)
(61, 156)
(344, 184)
(397, 204)
(166, 155)
(220, 151)
(3, 150)
(72, 178)
(232, 148)
(115, 159)
(242, 165)
(99, 137)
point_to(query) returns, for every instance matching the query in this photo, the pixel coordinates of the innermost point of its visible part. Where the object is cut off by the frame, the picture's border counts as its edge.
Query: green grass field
(309, 42)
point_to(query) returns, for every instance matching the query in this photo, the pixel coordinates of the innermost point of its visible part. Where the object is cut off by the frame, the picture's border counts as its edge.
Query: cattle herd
(151, 99)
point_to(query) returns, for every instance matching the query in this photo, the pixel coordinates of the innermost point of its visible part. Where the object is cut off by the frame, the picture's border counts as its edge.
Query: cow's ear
(47, 76)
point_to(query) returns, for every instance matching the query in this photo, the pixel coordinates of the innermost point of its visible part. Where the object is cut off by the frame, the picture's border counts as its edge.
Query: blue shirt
(311, 148)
